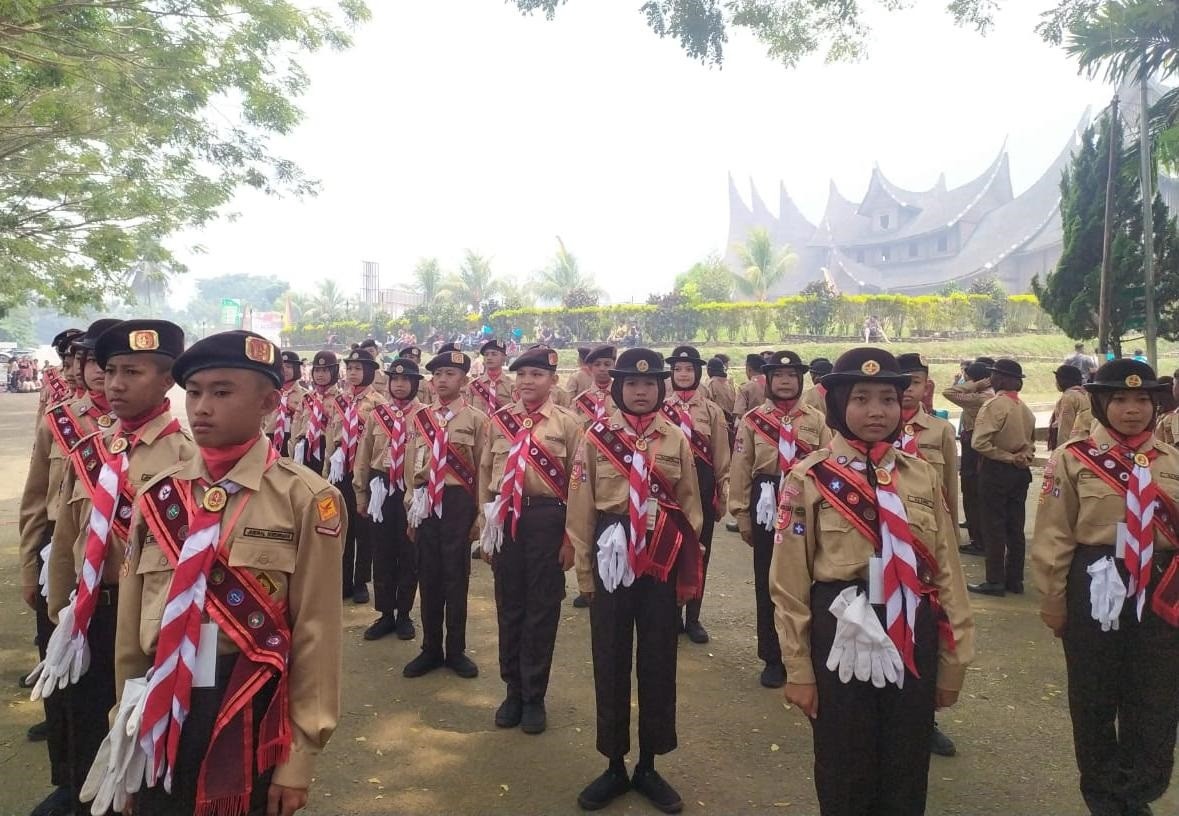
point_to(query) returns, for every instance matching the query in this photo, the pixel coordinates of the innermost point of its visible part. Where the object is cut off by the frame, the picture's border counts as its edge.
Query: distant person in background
(1140, 356)
(970, 396)
(1167, 426)
(1081, 361)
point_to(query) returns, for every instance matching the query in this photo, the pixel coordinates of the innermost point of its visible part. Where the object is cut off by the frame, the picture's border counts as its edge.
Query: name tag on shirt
(1120, 544)
(652, 511)
(876, 580)
(204, 673)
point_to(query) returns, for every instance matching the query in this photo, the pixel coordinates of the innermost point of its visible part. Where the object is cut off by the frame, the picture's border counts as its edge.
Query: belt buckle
(104, 597)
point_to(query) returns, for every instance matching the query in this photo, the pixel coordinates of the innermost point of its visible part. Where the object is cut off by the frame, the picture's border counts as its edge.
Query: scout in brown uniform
(63, 426)
(970, 395)
(58, 384)
(373, 349)
(91, 535)
(582, 378)
(719, 389)
(634, 512)
(348, 416)
(816, 395)
(1072, 406)
(425, 389)
(772, 438)
(752, 392)
(442, 513)
(1167, 427)
(596, 402)
(524, 469)
(862, 526)
(703, 423)
(260, 536)
(382, 473)
(492, 389)
(1109, 588)
(926, 436)
(280, 426)
(311, 446)
(1004, 438)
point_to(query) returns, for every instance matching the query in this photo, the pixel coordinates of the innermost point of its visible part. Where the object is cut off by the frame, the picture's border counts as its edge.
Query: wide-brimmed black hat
(230, 349)
(602, 352)
(139, 337)
(536, 357)
(362, 357)
(784, 359)
(1125, 375)
(685, 354)
(411, 351)
(642, 362)
(1007, 368)
(450, 359)
(293, 358)
(64, 340)
(326, 359)
(494, 345)
(90, 337)
(1069, 374)
(866, 364)
(911, 363)
(821, 366)
(404, 367)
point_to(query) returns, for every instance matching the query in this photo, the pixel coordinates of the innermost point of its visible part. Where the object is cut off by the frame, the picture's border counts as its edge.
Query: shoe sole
(533, 729)
(587, 804)
(406, 635)
(505, 724)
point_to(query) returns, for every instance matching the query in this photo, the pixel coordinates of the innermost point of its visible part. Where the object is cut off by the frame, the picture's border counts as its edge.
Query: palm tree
(474, 282)
(562, 276)
(517, 295)
(427, 276)
(328, 301)
(762, 265)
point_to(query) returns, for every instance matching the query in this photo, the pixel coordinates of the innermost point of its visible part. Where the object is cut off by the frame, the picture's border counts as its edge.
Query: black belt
(539, 501)
(108, 595)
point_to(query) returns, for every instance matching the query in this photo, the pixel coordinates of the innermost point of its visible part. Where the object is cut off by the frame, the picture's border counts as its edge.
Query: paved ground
(428, 746)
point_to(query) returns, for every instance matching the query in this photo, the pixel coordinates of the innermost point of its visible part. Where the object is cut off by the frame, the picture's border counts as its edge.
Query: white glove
(613, 558)
(377, 493)
(67, 657)
(300, 454)
(118, 769)
(767, 508)
(492, 537)
(417, 508)
(861, 648)
(43, 575)
(1107, 593)
(843, 647)
(336, 471)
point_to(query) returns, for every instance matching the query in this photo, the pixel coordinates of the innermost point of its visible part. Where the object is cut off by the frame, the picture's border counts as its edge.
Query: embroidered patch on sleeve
(326, 508)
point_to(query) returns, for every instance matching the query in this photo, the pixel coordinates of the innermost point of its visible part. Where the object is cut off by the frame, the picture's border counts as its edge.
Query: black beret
(987, 361)
(140, 337)
(1010, 368)
(231, 349)
(685, 354)
(821, 366)
(445, 347)
(536, 357)
(1069, 374)
(911, 362)
(362, 357)
(977, 371)
(639, 362)
(493, 345)
(93, 331)
(866, 364)
(582, 351)
(602, 352)
(754, 361)
(784, 359)
(404, 367)
(369, 343)
(325, 359)
(450, 359)
(410, 351)
(1124, 375)
(716, 368)
(63, 342)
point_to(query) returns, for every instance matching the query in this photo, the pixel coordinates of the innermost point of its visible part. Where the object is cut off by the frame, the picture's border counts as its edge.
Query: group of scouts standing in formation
(188, 583)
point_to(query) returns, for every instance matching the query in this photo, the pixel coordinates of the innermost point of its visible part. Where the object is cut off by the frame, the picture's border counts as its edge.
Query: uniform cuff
(950, 677)
(1054, 605)
(800, 671)
(296, 771)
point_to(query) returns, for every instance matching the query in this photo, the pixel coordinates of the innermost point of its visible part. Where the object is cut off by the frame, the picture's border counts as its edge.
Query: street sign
(231, 312)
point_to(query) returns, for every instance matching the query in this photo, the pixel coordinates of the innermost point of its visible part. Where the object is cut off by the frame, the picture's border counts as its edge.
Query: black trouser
(968, 473)
(1006, 489)
(444, 572)
(529, 587)
(768, 648)
(57, 730)
(871, 745)
(707, 479)
(92, 697)
(648, 607)
(1123, 694)
(395, 577)
(358, 556)
(315, 455)
(204, 706)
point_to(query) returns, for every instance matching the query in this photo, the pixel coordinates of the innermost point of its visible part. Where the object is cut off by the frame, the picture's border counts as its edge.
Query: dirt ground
(428, 746)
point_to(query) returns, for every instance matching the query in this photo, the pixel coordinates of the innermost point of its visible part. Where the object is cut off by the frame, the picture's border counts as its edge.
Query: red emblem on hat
(144, 340)
(260, 350)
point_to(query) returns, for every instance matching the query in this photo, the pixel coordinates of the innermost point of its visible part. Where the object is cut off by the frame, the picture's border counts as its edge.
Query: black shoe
(581, 602)
(463, 666)
(972, 549)
(58, 803)
(424, 663)
(658, 792)
(348, 592)
(940, 744)
(732, 527)
(384, 625)
(1015, 589)
(773, 675)
(405, 630)
(360, 595)
(38, 732)
(696, 632)
(534, 718)
(604, 790)
(987, 588)
(509, 712)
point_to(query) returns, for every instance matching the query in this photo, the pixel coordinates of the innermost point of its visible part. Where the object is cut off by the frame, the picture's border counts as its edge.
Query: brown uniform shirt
(1166, 429)
(936, 445)
(970, 398)
(722, 392)
(709, 421)
(816, 398)
(303, 415)
(372, 457)
(295, 396)
(820, 544)
(562, 397)
(289, 534)
(599, 395)
(367, 400)
(580, 381)
(1005, 431)
(464, 431)
(597, 486)
(502, 387)
(1079, 509)
(750, 395)
(559, 431)
(151, 455)
(754, 455)
(1072, 405)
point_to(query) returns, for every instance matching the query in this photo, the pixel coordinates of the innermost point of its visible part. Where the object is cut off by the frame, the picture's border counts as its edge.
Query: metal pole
(1150, 329)
(1103, 308)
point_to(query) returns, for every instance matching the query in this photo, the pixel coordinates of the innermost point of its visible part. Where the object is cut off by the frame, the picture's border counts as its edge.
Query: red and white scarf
(598, 396)
(282, 420)
(437, 478)
(640, 480)
(316, 421)
(683, 410)
(397, 440)
(493, 391)
(907, 441)
(1141, 499)
(511, 487)
(787, 438)
(351, 429)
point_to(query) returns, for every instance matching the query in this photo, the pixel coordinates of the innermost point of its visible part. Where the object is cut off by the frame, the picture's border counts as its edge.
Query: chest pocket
(841, 540)
(923, 520)
(271, 562)
(932, 454)
(670, 467)
(156, 570)
(1099, 505)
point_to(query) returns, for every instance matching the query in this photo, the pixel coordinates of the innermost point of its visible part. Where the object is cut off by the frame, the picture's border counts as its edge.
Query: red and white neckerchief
(437, 478)
(1141, 498)
(397, 440)
(902, 587)
(511, 487)
(640, 485)
(351, 429)
(907, 441)
(493, 392)
(683, 409)
(787, 440)
(599, 398)
(282, 419)
(1011, 395)
(316, 421)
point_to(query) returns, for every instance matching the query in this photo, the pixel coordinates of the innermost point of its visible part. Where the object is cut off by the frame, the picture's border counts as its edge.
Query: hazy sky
(464, 124)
